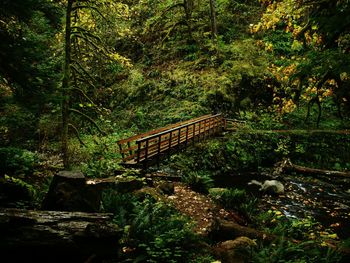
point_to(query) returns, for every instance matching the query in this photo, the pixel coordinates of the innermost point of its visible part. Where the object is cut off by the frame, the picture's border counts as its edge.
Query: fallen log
(288, 166)
(55, 236)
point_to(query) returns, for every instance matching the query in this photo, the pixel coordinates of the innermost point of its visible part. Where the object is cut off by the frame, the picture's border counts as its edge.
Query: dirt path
(199, 208)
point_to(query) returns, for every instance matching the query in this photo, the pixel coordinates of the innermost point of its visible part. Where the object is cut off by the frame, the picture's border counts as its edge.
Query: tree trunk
(66, 86)
(54, 236)
(214, 27)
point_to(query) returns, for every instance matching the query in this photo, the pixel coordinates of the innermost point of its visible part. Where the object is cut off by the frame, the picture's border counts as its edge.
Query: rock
(235, 251)
(149, 192)
(166, 187)
(69, 192)
(55, 236)
(128, 184)
(225, 229)
(13, 190)
(269, 186)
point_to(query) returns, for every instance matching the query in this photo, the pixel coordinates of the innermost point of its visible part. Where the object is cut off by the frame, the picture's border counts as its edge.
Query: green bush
(15, 161)
(311, 248)
(283, 250)
(236, 199)
(162, 234)
(155, 231)
(100, 168)
(121, 205)
(198, 181)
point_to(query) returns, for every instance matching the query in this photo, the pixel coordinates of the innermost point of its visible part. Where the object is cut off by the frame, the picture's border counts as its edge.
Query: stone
(11, 192)
(56, 236)
(69, 192)
(235, 251)
(128, 184)
(166, 187)
(147, 192)
(272, 187)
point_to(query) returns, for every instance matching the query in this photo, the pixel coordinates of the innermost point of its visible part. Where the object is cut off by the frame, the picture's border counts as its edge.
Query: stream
(327, 201)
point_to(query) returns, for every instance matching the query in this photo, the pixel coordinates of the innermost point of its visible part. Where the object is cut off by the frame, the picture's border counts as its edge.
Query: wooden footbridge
(151, 145)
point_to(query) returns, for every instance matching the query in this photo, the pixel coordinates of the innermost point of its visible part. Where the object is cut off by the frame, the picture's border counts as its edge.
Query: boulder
(272, 187)
(13, 190)
(167, 188)
(69, 192)
(235, 251)
(56, 236)
(147, 192)
(128, 184)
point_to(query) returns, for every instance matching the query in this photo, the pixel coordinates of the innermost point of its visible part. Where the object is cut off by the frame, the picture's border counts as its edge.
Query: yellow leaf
(333, 236)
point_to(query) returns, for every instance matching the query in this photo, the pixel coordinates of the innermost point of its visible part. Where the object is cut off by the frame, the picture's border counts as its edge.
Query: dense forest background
(139, 64)
(78, 75)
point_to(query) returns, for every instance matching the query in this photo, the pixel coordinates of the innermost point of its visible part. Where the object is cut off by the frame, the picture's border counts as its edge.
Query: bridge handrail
(156, 131)
(175, 129)
(141, 147)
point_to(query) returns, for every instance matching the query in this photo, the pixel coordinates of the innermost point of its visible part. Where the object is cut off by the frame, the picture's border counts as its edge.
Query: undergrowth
(153, 231)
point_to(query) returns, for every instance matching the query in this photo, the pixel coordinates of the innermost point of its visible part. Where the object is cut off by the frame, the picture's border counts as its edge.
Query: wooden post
(130, 151)
(159, 143)
(210, 122)
(138, 151)
(146, 149)
(194, 131)
(121, 150)
(179, 138)
(186, 136)
(170, 138)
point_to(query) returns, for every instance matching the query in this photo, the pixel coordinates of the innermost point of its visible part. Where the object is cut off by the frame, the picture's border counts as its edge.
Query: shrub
(15, 161)
(100, 168)
(121, 205)
(162, 234)
(155, 231)
(198, 181)
(283, 250)
(236, 199)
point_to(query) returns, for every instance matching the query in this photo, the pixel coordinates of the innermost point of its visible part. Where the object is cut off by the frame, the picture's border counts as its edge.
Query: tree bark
(66, 86)
(54, 236)
(214, 27)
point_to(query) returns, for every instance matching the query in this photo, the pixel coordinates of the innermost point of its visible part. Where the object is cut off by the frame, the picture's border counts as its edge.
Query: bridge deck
(142, 147)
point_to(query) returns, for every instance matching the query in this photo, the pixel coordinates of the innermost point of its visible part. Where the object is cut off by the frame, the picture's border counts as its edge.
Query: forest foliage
(78, 75)
(130, 66)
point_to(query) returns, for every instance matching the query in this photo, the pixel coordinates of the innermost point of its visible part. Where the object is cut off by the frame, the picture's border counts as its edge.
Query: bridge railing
(145, 146)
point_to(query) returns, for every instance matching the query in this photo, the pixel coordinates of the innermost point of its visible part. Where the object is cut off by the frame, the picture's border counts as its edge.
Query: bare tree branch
(89, 119)
(76, 132)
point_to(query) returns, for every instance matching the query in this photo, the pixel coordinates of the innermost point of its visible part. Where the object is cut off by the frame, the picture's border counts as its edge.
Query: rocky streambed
(327, 200)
